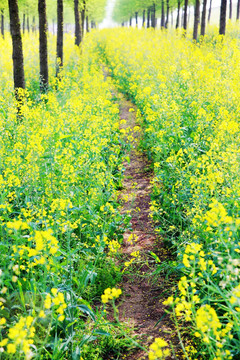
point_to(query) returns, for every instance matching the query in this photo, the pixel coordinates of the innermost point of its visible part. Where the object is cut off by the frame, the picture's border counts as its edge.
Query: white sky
(109, 23)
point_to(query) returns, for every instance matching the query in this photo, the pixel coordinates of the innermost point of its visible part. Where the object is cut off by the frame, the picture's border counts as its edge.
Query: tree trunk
(17, 55)
(23, 24)
(148, 17)
(43, 45)
(162, 15)
(33, 25)
(136, 18)
(185, 15)
(182, 17)
(203, 20)
(83, 18)
(230, 9)
(189, 15)
(223, 14)
(196, 19)
(130, 21)
(28, 25)
(209, 11)
(238, 10)
(77, 23)
(178, 14)
(167, 15)
(2, 23)
(59, 36)
(143, 18)
(153, 16)
(87, 24)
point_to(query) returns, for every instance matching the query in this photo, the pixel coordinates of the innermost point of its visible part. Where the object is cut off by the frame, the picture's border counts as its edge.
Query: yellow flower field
(59, 173)
(188, 106)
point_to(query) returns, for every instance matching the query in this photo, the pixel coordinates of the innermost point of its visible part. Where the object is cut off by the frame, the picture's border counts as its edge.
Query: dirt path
(142, 301)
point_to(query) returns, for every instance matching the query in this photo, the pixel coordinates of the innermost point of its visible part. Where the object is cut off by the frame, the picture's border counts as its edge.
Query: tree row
(149, 10)
(86, 14)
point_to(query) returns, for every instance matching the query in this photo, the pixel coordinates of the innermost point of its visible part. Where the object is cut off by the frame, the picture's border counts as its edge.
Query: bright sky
(109, 23)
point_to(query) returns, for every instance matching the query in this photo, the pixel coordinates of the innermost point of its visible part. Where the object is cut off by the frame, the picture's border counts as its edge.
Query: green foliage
(188, 106)
(59, 175)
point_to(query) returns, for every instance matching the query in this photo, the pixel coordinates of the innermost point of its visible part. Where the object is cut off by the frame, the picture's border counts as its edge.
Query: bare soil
(142, 295)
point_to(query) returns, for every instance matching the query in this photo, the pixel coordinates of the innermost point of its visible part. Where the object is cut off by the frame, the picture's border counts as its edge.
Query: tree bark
(87, 24)
(83, 13)
(17, 54)
(77, 23)
(148, 16)
(167, 15)
(196, 19)
(189, 15)
(178, 14)
(162, 15)
(33, 25)
(43, 53)
(230, 9)
(203, 20)
(238, 10)
(28, 25)
(136, 18)
(59, 36)
(209, 11)
(185, 15)
(24, 22)
(2, 23)
(153, 16)
(130, 21)
(223, 14)
(143, 18)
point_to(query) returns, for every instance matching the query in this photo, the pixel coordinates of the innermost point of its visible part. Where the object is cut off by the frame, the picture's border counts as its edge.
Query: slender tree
(17, 54)
(185, 15)
(43, 53)
(59, 36)
(28, 24)
(178, 14)
(153, 15)
(87, 24)
(189, 14)
(77, 23)
(238, 10)
(167, 15)
(2, 23)
(130, 21)
(230, 9)
(162, 15)
(223, 14)
(24, 23)
(3, 7)
(196, 19)
(136, 18)
(83, 13)
(209, 11)
(148, 16)
(203, 19)
(143, 18)
(33, 25)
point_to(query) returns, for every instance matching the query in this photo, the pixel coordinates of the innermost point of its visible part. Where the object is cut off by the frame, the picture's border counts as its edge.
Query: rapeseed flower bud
(110, 294)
